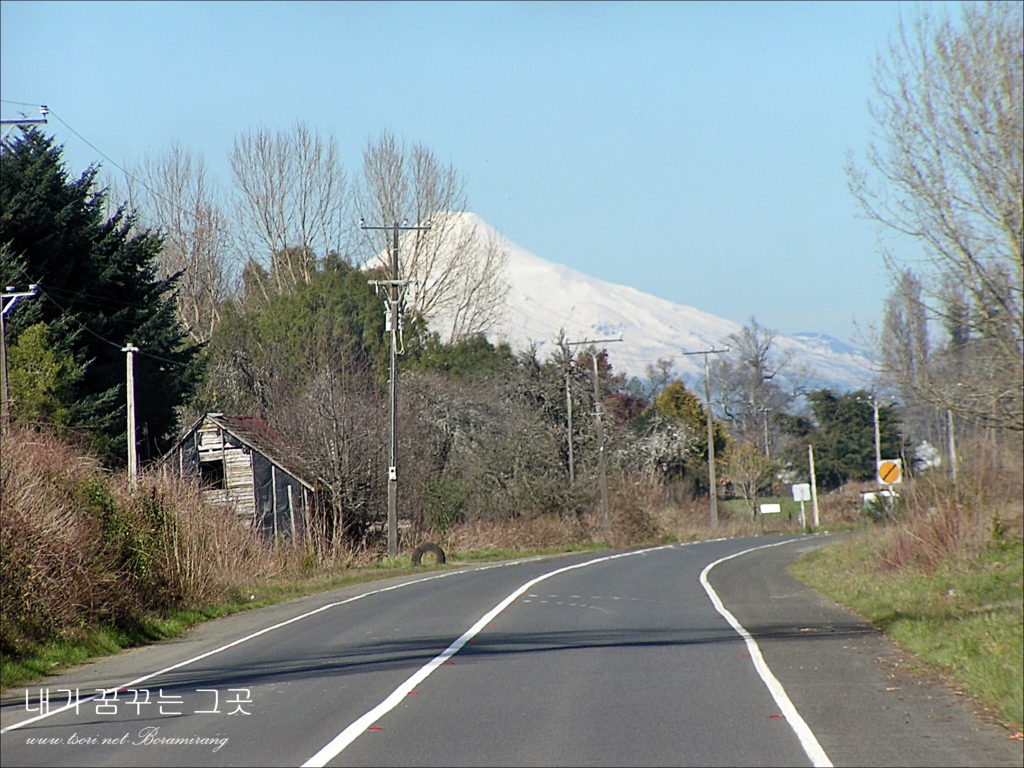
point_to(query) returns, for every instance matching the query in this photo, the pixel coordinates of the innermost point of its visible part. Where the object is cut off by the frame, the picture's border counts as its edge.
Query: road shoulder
(847, 679)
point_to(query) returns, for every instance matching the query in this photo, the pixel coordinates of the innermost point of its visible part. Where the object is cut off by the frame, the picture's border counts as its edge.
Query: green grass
(790, 510)
(965, 620)
(53, 657)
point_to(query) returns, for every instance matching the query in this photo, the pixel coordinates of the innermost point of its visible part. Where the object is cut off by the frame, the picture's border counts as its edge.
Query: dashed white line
(333, 748)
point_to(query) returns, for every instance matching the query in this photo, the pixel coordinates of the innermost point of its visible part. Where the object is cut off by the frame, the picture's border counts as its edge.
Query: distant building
(242, 464)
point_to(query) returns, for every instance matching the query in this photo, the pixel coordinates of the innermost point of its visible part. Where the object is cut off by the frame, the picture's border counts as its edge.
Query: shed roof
(260, 436)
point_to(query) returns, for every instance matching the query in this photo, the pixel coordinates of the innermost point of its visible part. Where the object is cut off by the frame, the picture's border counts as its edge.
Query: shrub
(79, 549)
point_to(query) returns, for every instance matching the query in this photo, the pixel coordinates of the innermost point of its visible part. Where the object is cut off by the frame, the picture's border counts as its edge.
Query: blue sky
(694, 151)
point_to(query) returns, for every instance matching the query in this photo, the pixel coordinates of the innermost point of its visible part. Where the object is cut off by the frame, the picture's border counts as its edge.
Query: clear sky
(694, 151)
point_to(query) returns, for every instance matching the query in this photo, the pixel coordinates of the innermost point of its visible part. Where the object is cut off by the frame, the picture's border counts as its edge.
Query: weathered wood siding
(215, 445)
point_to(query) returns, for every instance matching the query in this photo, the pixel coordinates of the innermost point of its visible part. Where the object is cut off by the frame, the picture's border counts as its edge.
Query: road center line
(803, 732)
(360, 726)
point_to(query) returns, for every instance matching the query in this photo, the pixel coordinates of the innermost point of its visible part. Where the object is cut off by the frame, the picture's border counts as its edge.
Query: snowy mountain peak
(545, 298)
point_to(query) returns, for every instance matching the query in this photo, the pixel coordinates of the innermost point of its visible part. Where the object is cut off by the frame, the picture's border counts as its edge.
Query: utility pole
(873, 399)
(606, 526)
(878, 439)
(568, 410)
(133, 457)
(952, 445)
(764, 409)
(396, 288)
(711, 431)
(8, 299)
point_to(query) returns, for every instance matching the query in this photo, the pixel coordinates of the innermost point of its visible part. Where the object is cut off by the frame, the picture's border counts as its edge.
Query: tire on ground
(422, 549)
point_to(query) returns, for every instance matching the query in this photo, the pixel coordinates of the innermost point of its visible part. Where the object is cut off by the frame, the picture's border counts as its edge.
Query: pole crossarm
(43, 110)
(8, 299)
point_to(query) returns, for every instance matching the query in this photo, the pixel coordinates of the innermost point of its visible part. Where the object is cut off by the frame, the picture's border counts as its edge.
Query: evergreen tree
(266, 350)
(98, 292)
(843, 436)
(677, 402)
(472, 356)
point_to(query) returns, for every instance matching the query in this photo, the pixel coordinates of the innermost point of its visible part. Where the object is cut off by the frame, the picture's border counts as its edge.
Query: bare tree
(659, 375)
(459, 266)
(291, 203)
(171, 193)
(749, 384)
(946, 169)
(749, 471)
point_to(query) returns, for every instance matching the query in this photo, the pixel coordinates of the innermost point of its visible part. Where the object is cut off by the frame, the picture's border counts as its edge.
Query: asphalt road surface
(697, 654)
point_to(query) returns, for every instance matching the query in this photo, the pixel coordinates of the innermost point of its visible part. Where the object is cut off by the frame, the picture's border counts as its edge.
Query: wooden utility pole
(952, 445)
(133, 457)
(711, 430)
(568, 411)
(606, 525)
(814, 483)
(395, 308)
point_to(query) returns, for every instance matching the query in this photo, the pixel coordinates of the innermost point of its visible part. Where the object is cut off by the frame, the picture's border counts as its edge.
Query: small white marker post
(802, 493)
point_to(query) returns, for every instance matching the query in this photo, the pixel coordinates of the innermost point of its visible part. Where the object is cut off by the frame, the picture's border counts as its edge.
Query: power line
(105, 340)
(106, 157)
(21, 103)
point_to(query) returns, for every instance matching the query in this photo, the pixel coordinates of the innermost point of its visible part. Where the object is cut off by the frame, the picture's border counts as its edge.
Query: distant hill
(545, 297)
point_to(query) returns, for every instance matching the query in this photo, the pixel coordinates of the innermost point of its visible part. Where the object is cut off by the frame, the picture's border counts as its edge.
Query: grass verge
(965, 620)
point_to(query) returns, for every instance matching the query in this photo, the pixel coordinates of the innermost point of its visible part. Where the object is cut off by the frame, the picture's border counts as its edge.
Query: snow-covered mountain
(545, 297)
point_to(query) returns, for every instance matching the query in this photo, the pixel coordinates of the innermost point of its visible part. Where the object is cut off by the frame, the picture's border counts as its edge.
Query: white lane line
(401, 693)
(253, 635)
(803, 732)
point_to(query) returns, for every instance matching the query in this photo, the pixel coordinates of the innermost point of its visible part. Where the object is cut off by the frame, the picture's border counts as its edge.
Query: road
(696, 654)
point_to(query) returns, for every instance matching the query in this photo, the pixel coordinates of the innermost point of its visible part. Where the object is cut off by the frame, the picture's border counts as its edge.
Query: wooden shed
(242, 464)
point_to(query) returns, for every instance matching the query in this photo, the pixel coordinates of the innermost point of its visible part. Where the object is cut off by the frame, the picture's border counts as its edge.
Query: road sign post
(802, 493)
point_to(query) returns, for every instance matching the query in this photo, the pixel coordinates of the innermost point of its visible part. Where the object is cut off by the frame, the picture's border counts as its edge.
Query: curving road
(698, 654)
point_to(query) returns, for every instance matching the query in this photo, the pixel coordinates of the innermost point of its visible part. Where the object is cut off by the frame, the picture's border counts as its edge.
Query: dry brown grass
(942, 521)
(78, 548)
(541, 532)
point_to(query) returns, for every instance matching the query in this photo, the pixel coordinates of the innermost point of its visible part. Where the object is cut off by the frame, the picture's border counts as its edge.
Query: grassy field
(789, 509)
(963, 620)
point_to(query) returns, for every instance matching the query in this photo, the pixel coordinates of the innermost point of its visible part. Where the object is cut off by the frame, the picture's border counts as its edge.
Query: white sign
(802, 492)
(767, 509)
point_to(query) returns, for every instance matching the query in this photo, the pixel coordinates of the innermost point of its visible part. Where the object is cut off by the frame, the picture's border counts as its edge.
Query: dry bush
(79, 549)
(844, 504)
(47, 551)
(206, 552)
(631, 512)
(942, 520)
(540, 532)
